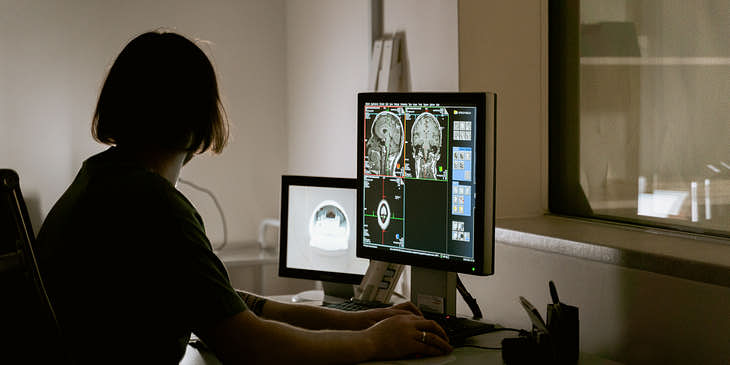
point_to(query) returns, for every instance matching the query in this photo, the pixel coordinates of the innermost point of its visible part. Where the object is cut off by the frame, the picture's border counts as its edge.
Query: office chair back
(29, 331)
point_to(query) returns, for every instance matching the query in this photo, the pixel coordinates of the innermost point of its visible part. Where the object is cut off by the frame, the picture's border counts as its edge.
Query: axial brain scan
(426, 144)
(329, 227)
(383, 214)
(385, 145)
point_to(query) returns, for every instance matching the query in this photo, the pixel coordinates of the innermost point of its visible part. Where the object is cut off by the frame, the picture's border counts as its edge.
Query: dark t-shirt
(128, 266)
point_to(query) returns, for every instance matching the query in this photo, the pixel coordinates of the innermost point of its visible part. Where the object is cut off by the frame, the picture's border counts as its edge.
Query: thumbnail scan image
(383, 219)
(384, 146)
(329, 227)
(426, 139)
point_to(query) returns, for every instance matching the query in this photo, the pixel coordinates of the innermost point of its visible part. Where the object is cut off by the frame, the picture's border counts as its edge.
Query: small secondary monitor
(317, 234)
(426, 180)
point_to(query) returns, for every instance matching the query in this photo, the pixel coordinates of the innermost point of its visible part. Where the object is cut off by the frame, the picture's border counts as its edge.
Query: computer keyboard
(355, 305)
(459, 329)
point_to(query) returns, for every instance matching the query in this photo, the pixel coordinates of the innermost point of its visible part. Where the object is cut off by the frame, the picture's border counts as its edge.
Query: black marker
(554, 293)
(556, 300)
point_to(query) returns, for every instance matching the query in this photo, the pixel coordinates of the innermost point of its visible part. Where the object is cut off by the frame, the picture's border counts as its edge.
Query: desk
(254, 269)
(248, 256)
(460, 355)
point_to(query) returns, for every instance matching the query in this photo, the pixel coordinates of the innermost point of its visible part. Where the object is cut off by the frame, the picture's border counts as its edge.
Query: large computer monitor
(426, 186)
(318, 234)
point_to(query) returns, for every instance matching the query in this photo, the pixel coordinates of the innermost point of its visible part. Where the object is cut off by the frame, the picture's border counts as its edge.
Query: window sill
(687, 256)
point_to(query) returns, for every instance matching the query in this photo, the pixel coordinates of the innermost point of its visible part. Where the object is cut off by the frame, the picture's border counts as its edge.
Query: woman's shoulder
(154, 192)
(108, 178)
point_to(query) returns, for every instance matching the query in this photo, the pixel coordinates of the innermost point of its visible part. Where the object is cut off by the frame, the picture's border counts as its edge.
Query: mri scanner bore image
(329, 227)
(384, 147)
(321, 230)
(426, 142)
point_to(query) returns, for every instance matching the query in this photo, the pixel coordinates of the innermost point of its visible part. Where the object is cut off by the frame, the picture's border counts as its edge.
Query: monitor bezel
(312, 181)
(484, 240)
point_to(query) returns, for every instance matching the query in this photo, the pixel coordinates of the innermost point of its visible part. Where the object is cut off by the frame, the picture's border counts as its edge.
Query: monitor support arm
(433, 290)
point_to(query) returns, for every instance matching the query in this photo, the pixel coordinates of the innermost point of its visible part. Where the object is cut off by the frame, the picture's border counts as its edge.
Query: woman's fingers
(431, 326)
(435, 342)
(410, 307)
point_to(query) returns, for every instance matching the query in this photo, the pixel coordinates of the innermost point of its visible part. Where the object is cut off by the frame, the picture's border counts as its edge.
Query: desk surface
(248, 256)
(460, 355)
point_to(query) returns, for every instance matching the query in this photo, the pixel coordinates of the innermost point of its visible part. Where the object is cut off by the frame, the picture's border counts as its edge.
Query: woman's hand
(407, 335)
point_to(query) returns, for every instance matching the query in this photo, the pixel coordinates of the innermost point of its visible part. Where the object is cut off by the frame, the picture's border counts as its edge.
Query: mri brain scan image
(385, 146)
(426, 145)
(329, 227)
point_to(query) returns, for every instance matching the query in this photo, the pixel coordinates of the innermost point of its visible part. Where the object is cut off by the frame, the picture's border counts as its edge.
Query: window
(640, 112)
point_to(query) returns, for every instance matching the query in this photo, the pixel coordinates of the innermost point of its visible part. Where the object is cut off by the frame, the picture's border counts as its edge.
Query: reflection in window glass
(655, 110)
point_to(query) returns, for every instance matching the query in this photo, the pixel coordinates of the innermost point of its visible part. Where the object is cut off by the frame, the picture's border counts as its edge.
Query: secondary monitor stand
(337, 292)
(433, 290)
(331, 293)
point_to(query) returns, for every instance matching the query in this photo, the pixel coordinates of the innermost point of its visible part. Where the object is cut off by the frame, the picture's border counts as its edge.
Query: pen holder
(562, 322)
(522, 350)
(530, 348)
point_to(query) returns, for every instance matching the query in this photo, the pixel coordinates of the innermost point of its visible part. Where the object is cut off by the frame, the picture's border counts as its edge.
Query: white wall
(431, 41)
(501, 50)
(627, 315)
(53, 60)
(327, 57)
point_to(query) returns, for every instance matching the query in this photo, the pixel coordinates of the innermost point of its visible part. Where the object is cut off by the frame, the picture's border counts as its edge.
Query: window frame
(565, 194)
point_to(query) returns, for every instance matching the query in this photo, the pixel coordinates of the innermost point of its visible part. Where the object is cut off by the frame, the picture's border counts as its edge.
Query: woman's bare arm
(247, 338)
(318, 318)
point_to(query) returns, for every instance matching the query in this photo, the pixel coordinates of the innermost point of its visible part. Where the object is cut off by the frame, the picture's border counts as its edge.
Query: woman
(131, 272)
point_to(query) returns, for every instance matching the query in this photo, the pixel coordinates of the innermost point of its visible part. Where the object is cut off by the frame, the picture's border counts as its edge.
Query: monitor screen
(317, 236)
(426, 179)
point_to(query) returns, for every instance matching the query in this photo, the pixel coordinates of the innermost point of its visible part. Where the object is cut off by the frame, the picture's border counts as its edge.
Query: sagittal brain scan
(426, 139)
(329, 227)
(385, 144)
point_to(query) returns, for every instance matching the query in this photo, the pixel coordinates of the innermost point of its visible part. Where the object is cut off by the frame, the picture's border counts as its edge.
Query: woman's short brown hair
(161, 91)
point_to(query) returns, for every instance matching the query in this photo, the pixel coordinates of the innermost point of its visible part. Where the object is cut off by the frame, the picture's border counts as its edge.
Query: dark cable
(220, 210)
(470, 301)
